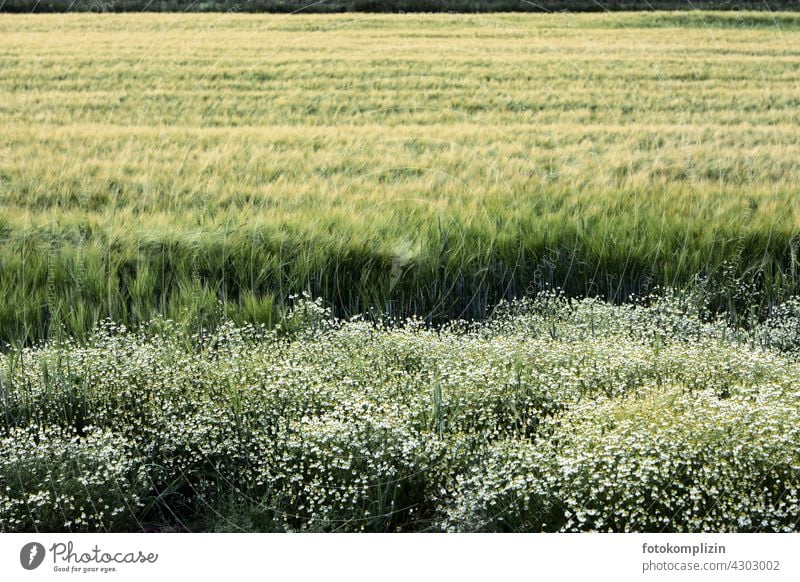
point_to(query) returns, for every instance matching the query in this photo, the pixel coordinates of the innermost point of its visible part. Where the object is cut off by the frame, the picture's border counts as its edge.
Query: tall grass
(209, 167)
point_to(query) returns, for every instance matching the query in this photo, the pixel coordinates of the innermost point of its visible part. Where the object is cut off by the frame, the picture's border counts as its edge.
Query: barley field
(489, 272)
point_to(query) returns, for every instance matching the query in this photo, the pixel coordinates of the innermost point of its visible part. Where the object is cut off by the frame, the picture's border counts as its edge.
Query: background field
(214, 165)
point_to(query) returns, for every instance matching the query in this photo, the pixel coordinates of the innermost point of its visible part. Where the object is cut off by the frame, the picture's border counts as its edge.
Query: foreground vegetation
(154, 165)
(552, 415)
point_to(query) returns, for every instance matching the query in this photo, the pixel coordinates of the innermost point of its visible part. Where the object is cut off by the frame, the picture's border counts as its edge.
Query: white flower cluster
(553, 415)
(56, 479)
